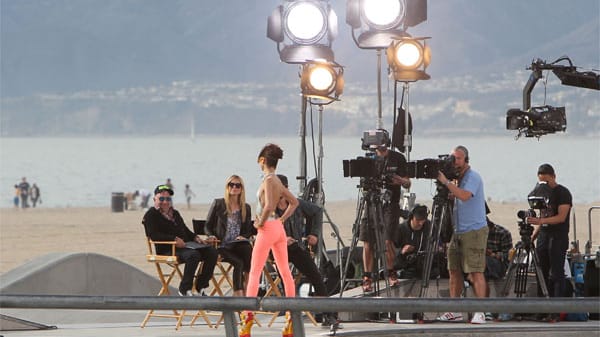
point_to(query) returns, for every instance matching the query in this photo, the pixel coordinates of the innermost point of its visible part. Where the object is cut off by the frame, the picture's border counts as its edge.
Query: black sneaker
(329, 321)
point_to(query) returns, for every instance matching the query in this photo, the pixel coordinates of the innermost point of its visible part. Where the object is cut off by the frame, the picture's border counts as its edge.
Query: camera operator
(411, 238)
(466, 251)
(552, 232)
(394, 162)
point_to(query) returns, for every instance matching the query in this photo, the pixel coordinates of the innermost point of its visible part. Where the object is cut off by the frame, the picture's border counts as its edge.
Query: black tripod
(440, 220)
(519, 265)
(369, 209)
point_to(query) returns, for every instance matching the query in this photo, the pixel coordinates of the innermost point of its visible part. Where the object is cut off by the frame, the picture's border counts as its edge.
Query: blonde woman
(229, 222)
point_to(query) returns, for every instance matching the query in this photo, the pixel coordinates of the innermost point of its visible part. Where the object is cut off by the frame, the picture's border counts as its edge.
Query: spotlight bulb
(321, 78)
(383, 13)
(305, 22)
(409, 54)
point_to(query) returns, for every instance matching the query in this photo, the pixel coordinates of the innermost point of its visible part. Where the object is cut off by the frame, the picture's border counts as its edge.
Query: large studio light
(323, 80)
(376, 23)
(409, 58)
(303, 30)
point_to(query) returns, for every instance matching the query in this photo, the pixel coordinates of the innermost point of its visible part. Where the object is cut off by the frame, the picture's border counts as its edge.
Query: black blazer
(216, 220)
(159, 228)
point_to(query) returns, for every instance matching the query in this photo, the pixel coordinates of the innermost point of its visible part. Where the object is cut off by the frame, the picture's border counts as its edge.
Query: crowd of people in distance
(26, 195)
(287, 228)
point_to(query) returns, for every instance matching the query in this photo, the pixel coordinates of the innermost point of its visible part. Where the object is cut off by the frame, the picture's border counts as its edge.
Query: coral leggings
(270, 237)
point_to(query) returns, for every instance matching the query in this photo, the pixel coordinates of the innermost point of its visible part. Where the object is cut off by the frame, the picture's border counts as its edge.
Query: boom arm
(568, 75)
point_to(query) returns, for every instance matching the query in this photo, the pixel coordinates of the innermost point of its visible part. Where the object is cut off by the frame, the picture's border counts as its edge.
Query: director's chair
(171, 263)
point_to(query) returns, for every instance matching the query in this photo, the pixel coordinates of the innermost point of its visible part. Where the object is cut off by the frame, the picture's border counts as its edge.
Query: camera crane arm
(567, 74)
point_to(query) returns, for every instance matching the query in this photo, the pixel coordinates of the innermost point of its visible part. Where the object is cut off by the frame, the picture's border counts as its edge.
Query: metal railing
(229, 305)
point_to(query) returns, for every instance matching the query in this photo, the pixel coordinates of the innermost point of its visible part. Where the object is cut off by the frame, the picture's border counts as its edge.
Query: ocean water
(83, 172)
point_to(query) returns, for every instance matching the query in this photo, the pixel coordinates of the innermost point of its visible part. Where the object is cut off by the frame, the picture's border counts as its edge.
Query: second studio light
(323, 80)
(409, 58)
(376, 23)
(304, 30)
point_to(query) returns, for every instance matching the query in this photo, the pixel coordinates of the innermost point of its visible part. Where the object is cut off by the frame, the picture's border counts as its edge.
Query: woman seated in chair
(229, 221)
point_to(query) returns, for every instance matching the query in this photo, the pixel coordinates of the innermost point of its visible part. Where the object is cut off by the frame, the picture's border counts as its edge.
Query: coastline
(28, 234)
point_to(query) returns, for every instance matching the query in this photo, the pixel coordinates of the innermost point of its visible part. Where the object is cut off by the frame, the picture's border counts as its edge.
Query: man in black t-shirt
(552, 232)
(394, 165)
(411, 239)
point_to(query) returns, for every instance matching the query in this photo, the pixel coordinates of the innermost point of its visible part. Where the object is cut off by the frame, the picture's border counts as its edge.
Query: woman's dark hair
(272, 153)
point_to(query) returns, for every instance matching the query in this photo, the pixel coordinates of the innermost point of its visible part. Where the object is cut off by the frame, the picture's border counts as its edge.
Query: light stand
(322, 83)
(314, 189)
(302, 134)
(379, 109)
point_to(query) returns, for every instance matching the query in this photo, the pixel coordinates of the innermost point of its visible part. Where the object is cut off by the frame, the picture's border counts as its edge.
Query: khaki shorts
(466, 251)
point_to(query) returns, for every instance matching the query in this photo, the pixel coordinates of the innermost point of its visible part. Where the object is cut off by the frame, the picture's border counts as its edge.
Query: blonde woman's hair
(242, 200)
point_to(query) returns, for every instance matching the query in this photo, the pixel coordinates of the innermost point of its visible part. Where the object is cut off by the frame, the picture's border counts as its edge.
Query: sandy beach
(27, 234)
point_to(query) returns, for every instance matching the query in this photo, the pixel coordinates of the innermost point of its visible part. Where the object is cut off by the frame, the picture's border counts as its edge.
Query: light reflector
(305, 22)
(383, 14)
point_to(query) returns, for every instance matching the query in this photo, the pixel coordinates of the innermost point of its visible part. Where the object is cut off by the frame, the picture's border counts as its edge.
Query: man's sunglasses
(164, 198)
(237, 185)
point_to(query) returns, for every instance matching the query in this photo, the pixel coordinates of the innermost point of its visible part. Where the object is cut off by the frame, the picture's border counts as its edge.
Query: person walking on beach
(145, 197)
(34, 194)
(188, 195)
(271, 233)
(170, 184)
(17, 196)
(466, 250)
(229, 221)
(24, 193)
(164, 223)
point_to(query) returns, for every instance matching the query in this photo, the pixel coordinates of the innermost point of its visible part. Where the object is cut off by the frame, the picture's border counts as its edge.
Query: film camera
(537, 121)
(428, 168)
(538, 200)
(372, 166)
(542, 120)
(372, 169)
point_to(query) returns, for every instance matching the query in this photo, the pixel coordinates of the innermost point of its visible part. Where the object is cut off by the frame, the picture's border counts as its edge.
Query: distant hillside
(112, 67)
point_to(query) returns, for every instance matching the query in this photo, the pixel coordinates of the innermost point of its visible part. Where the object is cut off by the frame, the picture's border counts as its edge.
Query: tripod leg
(538, 273)
(353, 244)
(380, 251)
(510, 275)
(379, 248)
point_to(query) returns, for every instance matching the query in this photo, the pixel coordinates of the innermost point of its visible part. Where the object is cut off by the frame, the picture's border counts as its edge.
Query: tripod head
(441, 193)
(525, 231)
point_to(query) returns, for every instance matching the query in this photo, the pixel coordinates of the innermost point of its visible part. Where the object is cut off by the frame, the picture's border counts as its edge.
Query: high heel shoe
(288, 331)
(246, 321)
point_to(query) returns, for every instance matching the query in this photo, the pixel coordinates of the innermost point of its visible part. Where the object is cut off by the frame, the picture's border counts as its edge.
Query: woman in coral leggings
(271, 233)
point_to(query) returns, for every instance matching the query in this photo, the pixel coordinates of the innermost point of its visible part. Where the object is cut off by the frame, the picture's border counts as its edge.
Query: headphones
(464, 150)
(418, 209)
(386, 138)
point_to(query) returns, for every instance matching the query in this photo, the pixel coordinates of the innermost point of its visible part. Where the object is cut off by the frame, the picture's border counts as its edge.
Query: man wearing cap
(296, 229)
(164, 223)
(411, 240)
(552, 232)
(394, 164)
